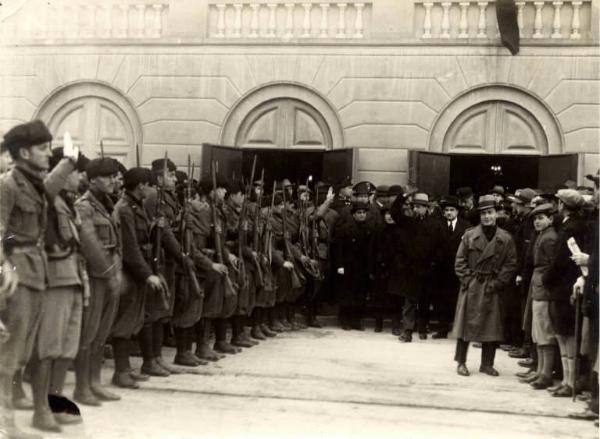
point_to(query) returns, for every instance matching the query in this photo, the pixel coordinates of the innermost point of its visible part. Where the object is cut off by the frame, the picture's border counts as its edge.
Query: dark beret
(25, 135)
(58, 155)
(135, 176)
(101, 167)
(159, 164)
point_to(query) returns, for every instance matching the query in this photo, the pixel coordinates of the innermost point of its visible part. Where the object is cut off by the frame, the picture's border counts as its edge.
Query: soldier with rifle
(189, 300)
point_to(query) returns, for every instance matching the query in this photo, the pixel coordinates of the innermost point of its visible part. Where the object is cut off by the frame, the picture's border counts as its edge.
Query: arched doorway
(94, 113)
(284, 123)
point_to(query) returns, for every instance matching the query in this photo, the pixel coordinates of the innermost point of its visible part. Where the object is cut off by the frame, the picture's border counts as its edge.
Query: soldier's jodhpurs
(488, 352)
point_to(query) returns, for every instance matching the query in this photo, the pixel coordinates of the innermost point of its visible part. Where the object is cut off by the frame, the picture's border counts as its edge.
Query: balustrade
(87, 19)
(289, 19)
(537, 19)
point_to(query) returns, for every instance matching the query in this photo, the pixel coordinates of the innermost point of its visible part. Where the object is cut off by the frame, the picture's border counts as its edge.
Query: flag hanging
(506, 12)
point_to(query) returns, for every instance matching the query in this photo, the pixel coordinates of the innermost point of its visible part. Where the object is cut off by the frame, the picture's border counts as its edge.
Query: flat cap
(487, 202)
(571, 198)
(498, 190)
(159, 164)
(25, 135)
(135, 176)
(545, 208)
(101, 167)
(525, 196)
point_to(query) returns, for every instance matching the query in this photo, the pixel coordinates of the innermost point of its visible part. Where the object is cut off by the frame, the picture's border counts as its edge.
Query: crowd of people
(95, 255)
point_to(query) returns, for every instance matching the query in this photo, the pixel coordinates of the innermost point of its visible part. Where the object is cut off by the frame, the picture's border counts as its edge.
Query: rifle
(255, 231)
(137, 155)
(186, 239)
(243, 229)
(157, 260)
(297, 281)
(268, 235)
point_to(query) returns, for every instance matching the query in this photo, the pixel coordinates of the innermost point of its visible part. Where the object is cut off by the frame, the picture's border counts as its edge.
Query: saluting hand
(9, 279)
(288, 265)
(154, 282)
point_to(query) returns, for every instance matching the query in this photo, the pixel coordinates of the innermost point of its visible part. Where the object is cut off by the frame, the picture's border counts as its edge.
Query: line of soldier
(502, 270)
(132, 252)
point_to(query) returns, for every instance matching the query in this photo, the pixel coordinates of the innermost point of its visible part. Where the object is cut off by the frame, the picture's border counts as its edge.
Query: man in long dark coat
(353, 242)
(485, 263)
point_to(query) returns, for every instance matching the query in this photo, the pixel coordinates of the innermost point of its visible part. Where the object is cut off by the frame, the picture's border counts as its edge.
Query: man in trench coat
(486, 262)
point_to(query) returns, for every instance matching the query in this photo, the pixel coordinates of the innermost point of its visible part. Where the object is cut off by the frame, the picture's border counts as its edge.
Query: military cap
(487, 202)
(135, 176)
(286, 183)
(395, 190)
(464, 192)
(58, 155)
(25, 135)
(304, 188)
(545, 208)
(159, 164)
(524, 196)
(382, 190)
(449, 201)
(101, 167)
(420, 198)
(570, 197)
(363, 188)
(594, 178)
(498, 190)
(359, 205)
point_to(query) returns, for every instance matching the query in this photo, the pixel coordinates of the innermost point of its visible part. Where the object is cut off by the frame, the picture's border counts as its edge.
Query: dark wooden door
(429, 171)
(340, 166)
(227, 158)
(554, 170)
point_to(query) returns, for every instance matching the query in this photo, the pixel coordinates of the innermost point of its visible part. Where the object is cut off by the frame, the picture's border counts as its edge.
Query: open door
(554, 170)
(340, 166)
(229, 161)
(430, 172)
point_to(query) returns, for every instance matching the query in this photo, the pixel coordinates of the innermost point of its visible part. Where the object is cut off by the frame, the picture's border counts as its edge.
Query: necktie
(450, 229)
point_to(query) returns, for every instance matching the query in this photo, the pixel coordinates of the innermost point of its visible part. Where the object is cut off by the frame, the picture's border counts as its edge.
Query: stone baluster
(427, 22)
(482, 26)
(464, 21)
(105, 30)
(520, 7)
(359, 31)
(272, 29)
(220, 20)
(93, 23)
(157, 22)
(445, 20)
(124, 22)
(538, 23)
(306, 23)
(341, 27)
(556, 24)
(289, 20)
(324, 30)
(237, 23)
(576, 22)
(141, 19)
(254, 21)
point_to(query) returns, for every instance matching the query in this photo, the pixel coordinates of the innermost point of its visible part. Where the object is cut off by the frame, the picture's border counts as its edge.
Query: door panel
(227, 158)
(340, 166)
(430, 172)
(554, 170)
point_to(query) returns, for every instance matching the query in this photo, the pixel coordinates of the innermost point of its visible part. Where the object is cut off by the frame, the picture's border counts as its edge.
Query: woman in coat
(485, 264)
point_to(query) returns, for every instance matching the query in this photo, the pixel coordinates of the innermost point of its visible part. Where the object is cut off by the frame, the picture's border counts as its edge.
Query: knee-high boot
(256, 332)
(122, 376)
(83, 393)
(203, 349)
(20, 400)
(150, 366)
(102, 393)
(43, 419)
(221, 344)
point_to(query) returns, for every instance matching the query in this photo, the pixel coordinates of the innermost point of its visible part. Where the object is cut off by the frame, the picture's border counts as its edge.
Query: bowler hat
(395, 190)
(382, 190)
(546, 209)
(570, 197)
(420, 198)
(24, 136)
(487, 202)
(464, 192)
(363, 188)
(450, 201)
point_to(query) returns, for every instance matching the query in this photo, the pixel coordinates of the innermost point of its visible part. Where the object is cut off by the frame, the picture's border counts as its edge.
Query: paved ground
(330, 383)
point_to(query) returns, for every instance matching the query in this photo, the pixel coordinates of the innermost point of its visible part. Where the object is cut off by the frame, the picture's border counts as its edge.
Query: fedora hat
(420, 198)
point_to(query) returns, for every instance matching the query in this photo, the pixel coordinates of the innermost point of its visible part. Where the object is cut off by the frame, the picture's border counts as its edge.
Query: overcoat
(484, 269)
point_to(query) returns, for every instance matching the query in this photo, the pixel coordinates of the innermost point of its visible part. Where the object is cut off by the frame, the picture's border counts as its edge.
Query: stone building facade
(386, 77)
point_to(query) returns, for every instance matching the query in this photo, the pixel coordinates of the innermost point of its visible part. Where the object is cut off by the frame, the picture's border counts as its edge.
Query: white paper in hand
(575, 250)
(69, 150)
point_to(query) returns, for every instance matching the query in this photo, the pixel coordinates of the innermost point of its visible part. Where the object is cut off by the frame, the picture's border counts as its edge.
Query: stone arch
(528, 112)
(260, 99)
(92, 112)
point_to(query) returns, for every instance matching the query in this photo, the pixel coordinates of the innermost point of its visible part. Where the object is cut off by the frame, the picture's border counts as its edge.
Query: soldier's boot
(378, 324)
(157, 344)
(281, 317)
(267, 331)
(257, 333)
(20, 401)
(8, 426)
(224, 347)
(43, 419)
(101, 392)
(273, 323)
(57, 384)
(184, 357)
(83, 393)
(221, 343)
(203, 349)
(291, 317)
(123, 376)
(239, 334)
